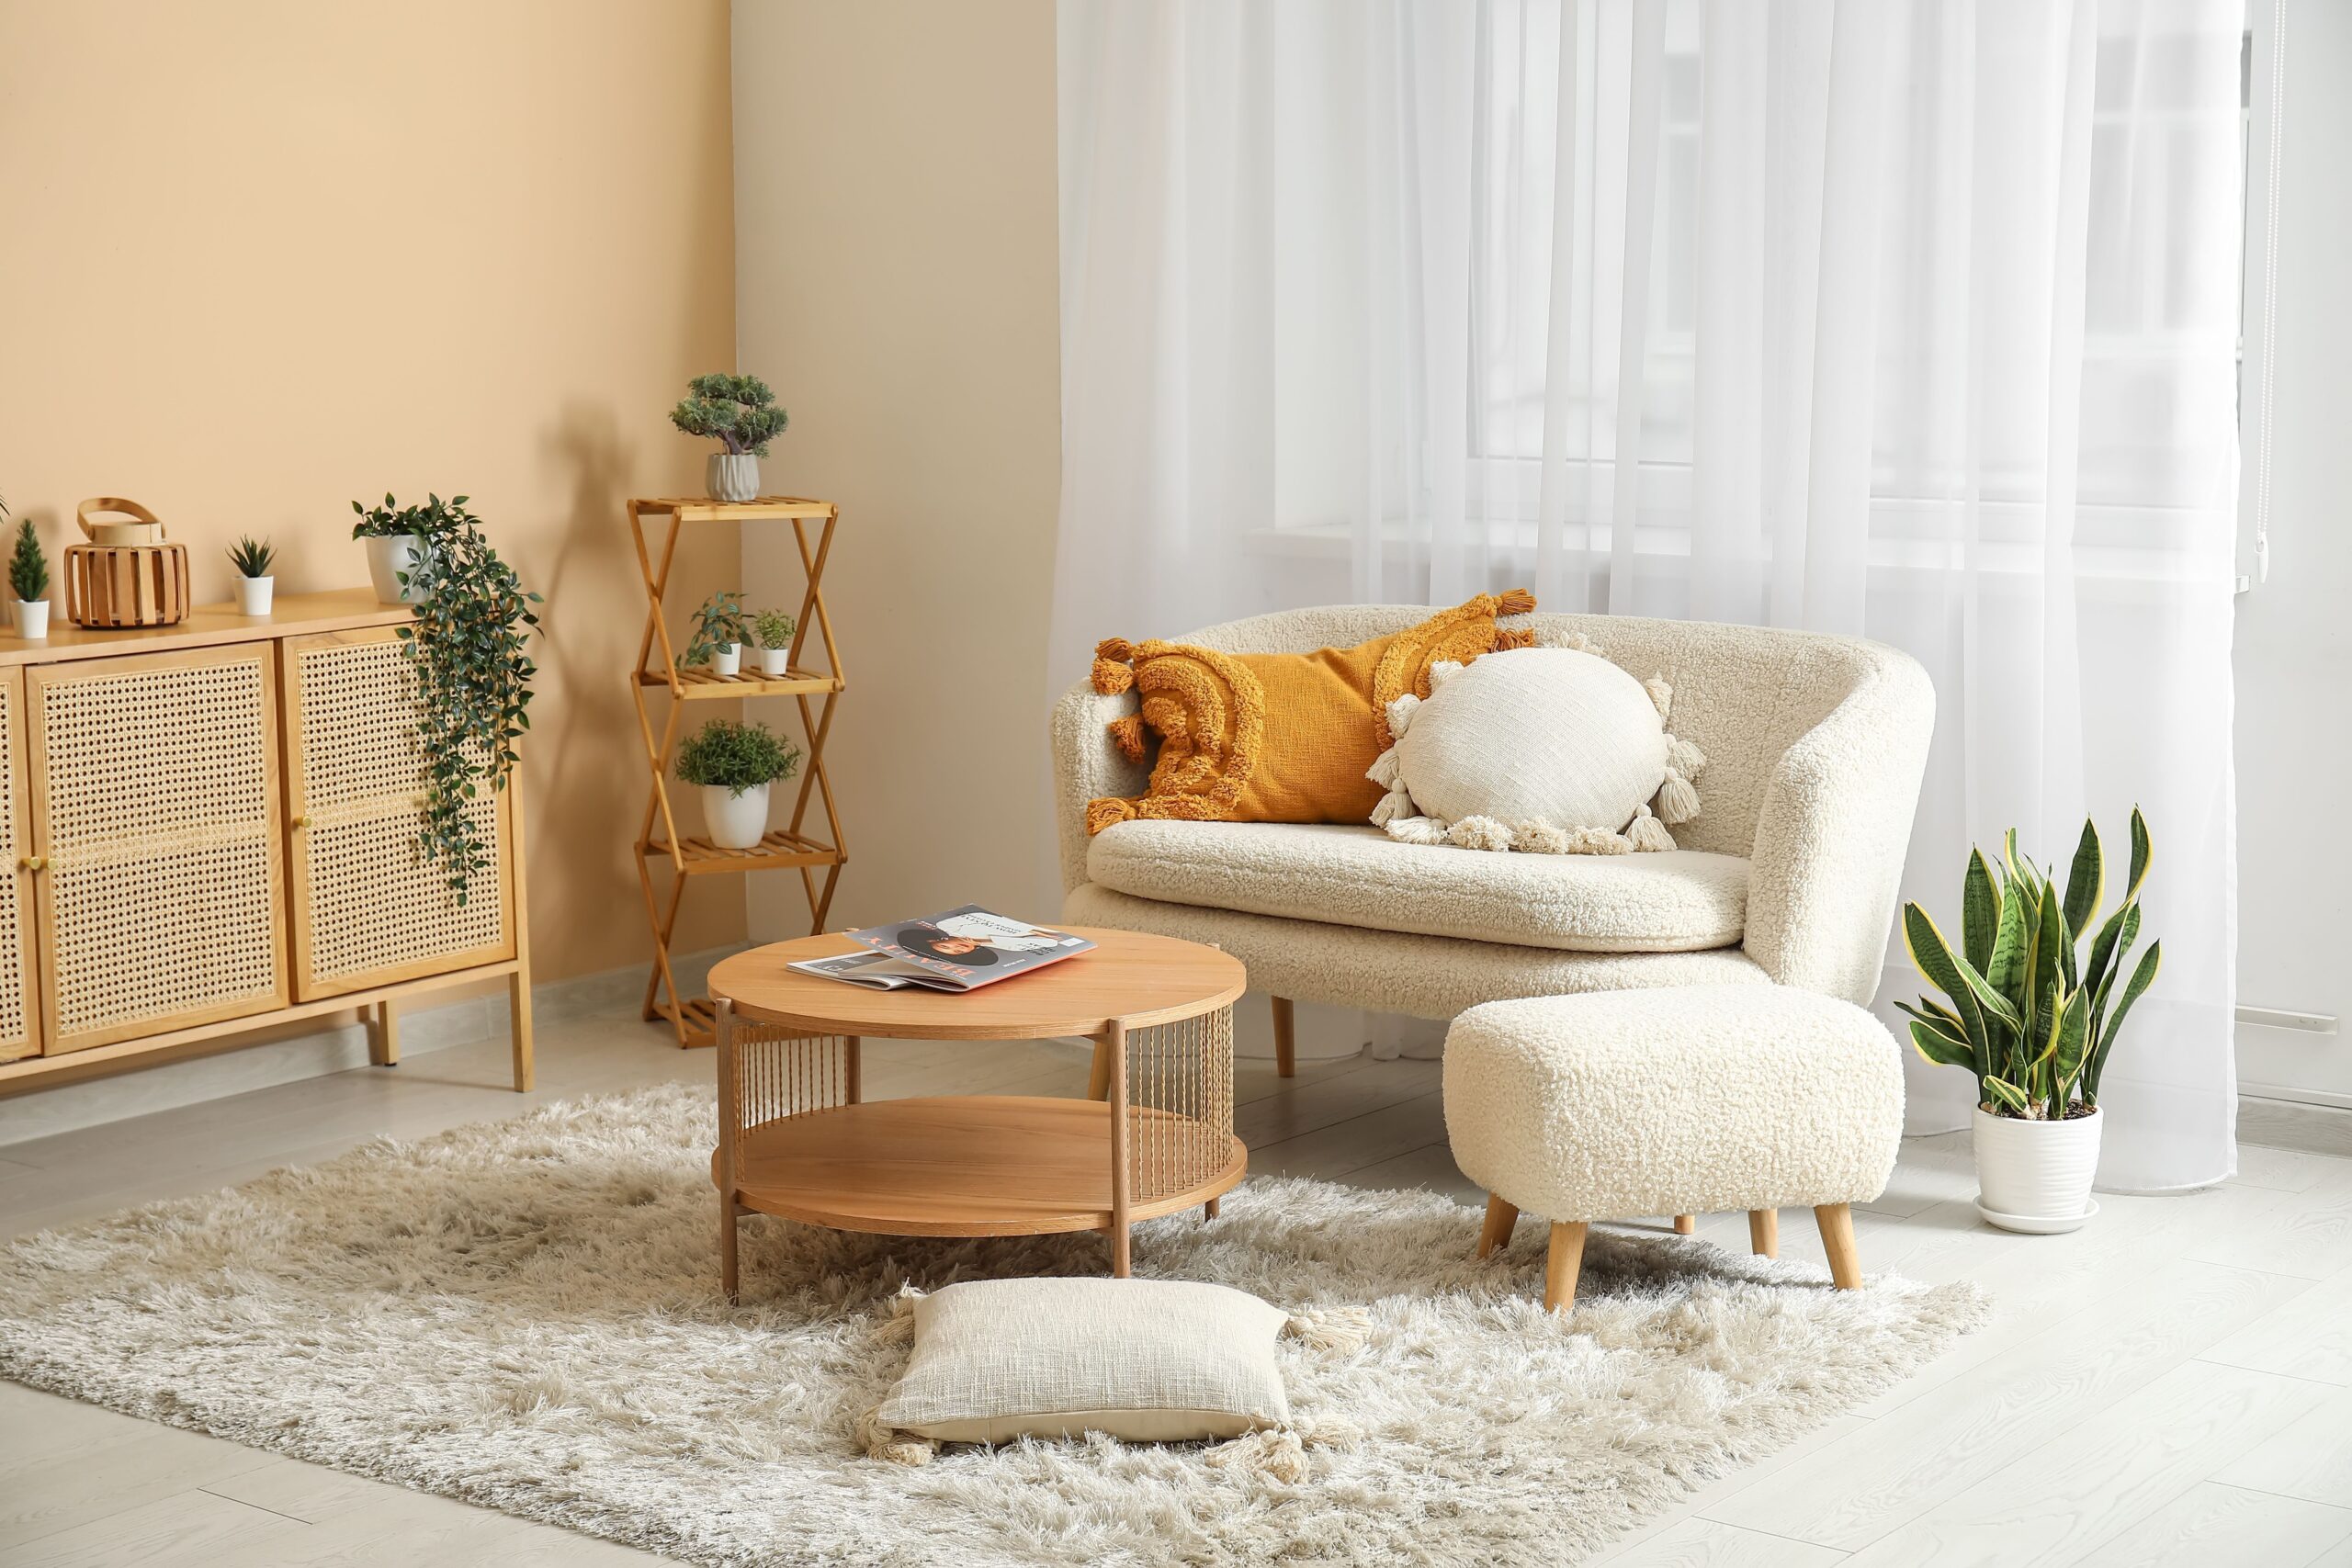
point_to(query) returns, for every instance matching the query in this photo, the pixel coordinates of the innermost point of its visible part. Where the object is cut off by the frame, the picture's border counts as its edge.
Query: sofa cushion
(1676, 901)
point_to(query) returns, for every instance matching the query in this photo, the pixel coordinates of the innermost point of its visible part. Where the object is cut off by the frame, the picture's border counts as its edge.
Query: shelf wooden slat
(699, 681)
(781, 849)
(702, 509)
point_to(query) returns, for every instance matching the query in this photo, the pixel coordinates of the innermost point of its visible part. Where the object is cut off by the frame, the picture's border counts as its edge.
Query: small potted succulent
(29, 578)
(394, 534)
(773, 629)
(2033, 1019)
(253, 558)
(733, 764)
(720, 634)
(740, 413)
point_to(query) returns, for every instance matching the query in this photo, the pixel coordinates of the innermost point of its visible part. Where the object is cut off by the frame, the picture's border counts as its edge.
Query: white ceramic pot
(388, 555)
(727, 660)
(2037, 1174)
(253, 594)
(32, 618)
(732, 476)
(735, 821)
(773, 662)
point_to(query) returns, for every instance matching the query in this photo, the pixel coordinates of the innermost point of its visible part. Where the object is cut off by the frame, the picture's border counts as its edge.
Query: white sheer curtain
(1915, 320)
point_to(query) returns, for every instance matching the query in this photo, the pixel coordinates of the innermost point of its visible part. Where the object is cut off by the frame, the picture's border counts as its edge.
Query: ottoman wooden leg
(1285, 1040)
(1764, 1232)
(1837, 1223)
(1500, 1217)
(1560, 1265)
(1685, 1225)
(726, 1277)
(1209, 1210)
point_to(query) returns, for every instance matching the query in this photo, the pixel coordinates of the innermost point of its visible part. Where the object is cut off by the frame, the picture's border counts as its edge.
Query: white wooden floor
(2172, 1385)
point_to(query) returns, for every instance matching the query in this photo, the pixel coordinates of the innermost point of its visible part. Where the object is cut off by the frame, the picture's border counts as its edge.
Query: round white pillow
(1548, 750)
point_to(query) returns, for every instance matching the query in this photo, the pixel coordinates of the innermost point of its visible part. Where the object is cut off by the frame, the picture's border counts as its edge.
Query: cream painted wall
(895, 280)
(259, 257)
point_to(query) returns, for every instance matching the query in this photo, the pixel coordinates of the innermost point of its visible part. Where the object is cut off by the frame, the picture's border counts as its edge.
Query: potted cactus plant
(740, 413)
(720, 633)
(774, 630)
(253, 558)
(733, 764)
(29, 578)
(2034, 1019)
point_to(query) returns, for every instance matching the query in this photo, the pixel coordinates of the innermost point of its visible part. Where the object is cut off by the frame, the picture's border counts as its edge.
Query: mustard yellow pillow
(1278, 737)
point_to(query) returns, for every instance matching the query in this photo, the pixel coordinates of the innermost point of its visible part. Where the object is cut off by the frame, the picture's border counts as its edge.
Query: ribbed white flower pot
(253, 594)
(2036, 1172)
(727, 660)
(388, 555)
(773, 662)
(732, 476)
(735, 821)
(32, 618)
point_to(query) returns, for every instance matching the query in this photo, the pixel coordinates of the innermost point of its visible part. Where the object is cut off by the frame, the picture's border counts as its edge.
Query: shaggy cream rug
(526, 1315)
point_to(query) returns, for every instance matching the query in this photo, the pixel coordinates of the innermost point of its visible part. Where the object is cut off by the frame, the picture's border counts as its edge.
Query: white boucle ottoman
(1676, 1100)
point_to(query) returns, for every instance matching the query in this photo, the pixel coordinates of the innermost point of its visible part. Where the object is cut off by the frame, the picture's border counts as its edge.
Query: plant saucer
(2032, 1227)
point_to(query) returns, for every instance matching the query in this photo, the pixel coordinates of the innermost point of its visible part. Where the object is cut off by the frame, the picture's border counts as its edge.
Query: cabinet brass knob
(34, 863)
(297, 822)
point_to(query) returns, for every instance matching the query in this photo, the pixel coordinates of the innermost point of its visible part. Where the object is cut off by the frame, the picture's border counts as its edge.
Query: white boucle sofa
(1814, 745)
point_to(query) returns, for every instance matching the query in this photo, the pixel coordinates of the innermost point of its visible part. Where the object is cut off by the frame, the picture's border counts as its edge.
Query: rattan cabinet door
(367, 911)
(19, 1007)
(155, 823)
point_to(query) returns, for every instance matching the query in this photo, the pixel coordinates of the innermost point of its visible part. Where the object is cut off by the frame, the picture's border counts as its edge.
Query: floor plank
(2211, 1524)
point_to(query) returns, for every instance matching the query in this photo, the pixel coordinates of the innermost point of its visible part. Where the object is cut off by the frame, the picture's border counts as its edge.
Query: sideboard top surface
(294, 614)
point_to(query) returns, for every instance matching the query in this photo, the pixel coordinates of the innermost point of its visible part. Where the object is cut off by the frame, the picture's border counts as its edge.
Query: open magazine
(960, 951)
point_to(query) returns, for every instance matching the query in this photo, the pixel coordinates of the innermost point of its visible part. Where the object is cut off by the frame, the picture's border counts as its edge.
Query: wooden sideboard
(210, 827)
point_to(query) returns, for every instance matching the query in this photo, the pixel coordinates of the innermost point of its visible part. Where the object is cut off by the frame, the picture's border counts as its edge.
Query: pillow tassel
(1127, 735)
(1442, 671)
(1683, 757)
(1385, 768)
(1479, 833)
(1661, 694)
(891, 1446)
(1393, 805)
(1113, 668)
(1514, 602)
(1270, 1452)
(1106, 811)
(1647, 833)
(1538, 839)
(1344, 1329)
(1417, 829)
(1676, 801)
(1401, 714)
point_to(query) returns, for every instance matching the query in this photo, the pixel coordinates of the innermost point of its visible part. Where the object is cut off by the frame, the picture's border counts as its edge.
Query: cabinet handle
(297, 821)
(34, 863)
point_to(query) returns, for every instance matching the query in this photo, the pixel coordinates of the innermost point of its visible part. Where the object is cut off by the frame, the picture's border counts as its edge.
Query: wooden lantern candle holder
(127, 575)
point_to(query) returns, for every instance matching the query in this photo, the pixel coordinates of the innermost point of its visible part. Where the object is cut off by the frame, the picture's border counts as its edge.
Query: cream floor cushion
(1676, 901)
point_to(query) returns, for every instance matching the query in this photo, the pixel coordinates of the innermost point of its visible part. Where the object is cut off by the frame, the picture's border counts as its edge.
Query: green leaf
(2142, 978)
(2050, 935)
(2067, 1038)
(2007, 1093)
(2086, 881)
(2142, 850)
(1950, 973)
(2009, 943)
(1941, 1048)
(1980, 912)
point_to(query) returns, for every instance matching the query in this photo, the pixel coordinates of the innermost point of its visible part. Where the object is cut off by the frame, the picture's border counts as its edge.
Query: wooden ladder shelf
(796, 846)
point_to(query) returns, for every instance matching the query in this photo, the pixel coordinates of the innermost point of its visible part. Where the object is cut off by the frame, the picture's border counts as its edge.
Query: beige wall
(257, 259)
(895, 281)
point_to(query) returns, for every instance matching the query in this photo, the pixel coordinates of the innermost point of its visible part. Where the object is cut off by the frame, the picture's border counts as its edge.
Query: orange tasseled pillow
(1279, 737)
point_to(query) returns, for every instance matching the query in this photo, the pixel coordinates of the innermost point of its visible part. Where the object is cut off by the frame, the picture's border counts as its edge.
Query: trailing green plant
(718, 625)
(773, 628)
(251, 556)
(28, 567)
(735, 757)
(2025, 1011)
(469, 649)
(739, 412)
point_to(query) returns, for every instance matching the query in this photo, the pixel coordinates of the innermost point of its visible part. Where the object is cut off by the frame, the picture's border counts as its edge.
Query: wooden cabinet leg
(1685, 1225)
(384, 1036)
(1836, 1222)
(1561, 1264)
(518, 1024)
(1764, 1232)
(1285, 1040)
(1501, 1218)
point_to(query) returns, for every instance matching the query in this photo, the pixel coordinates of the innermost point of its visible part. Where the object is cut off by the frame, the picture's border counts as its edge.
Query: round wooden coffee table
(797, 1139)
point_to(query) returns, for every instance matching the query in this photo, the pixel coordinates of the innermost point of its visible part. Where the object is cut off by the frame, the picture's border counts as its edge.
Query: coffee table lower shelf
(975, 1165)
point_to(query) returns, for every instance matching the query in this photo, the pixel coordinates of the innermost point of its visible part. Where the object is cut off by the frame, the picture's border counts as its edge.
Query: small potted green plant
(2033, 1019)
(394, 534)
(773, 629)
(253, 558)
(719, 635)
(740, 413)
(29, 578)
(733, 764)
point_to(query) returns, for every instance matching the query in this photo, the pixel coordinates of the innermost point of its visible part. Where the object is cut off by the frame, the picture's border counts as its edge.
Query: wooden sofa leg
(1285, 1040)
(1561, 1263)
(1685, 1225)
(1836, 1222)
(1764, 1232)
(1501, 1217)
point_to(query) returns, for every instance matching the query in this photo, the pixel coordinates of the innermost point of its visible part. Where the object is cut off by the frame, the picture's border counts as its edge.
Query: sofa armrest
(1833, 830)
(1086, 766)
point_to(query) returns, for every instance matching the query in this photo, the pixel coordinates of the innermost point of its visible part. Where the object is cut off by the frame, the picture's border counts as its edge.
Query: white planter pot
(253, 594)
(727, 660)
(772, 661)
(2036, 1176)
(388, 555)
(732, 476)
(32, 618)
(735, 821)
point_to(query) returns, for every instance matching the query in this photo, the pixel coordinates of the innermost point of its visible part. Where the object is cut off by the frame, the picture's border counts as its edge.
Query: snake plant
(2023, 1010)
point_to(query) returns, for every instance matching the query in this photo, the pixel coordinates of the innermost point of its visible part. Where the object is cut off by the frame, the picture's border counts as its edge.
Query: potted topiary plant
(2034, 1019)
(739, 413)
(720, 634)
(733, 764)
(394, 534)
(253, 558)
(28, 577)
(773, 629)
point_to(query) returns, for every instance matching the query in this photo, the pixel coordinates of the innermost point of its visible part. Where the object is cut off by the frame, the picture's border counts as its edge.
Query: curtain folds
(1913, 320)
